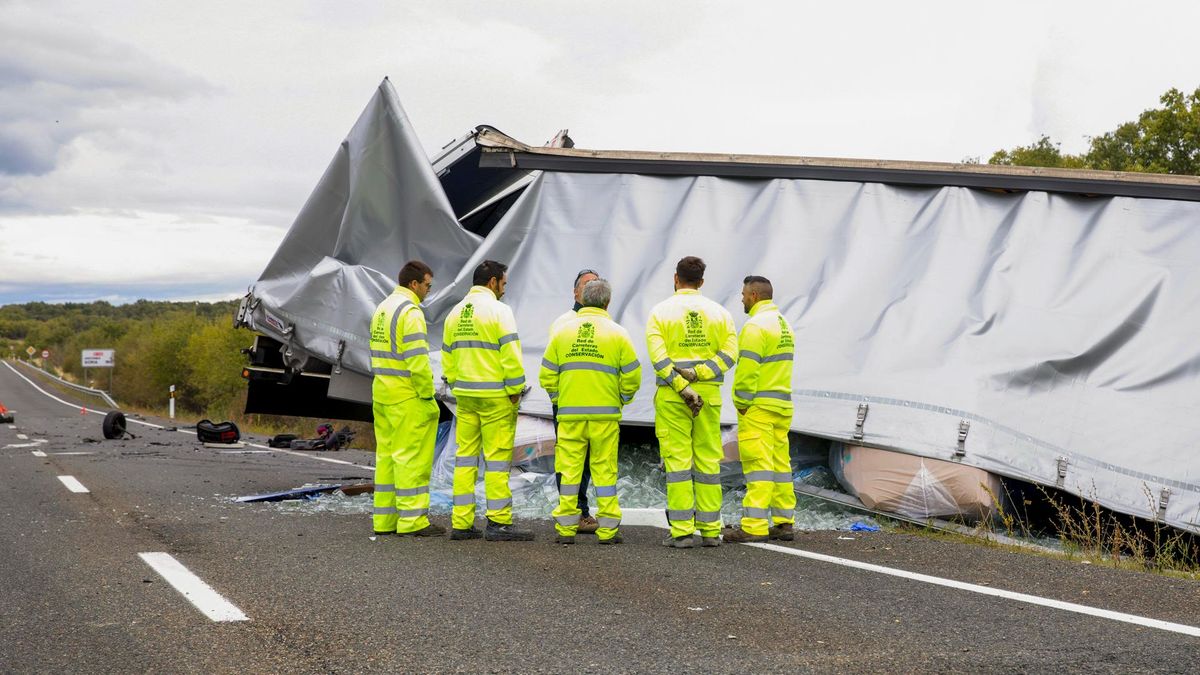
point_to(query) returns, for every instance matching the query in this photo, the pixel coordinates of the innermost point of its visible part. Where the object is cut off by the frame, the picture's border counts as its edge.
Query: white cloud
(226, 113)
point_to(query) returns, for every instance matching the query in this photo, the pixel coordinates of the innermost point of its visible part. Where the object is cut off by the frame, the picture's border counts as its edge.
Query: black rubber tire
(114, 425)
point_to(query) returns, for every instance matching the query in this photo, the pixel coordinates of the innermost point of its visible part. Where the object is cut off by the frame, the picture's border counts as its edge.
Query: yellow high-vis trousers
(487, 424)
(404, 438)
(767, 465)
(573, 439)
(690, 448)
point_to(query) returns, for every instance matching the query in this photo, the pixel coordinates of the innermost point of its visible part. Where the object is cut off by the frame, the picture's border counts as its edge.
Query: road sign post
(171, 405)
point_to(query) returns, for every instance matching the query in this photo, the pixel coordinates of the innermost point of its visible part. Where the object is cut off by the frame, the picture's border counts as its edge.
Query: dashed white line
(72, 453)
(22, 437)
(32, 444)
(73, 484)
(200, 594)
(38, 453)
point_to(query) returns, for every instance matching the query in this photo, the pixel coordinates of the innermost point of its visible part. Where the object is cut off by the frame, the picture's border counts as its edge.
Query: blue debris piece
(306, 492)
(860, 526)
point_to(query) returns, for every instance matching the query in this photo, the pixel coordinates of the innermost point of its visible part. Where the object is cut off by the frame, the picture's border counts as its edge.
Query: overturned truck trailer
(1037, 324)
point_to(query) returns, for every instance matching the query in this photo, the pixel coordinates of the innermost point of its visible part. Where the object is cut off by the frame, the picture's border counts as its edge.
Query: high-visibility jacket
(764, 369)
(687, 330)
(590, 368)
(399, 350)
(481, 353)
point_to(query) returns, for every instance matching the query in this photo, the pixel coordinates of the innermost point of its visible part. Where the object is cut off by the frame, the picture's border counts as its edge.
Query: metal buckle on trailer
(963, 428)
(1062, 471)
(1163, 498)
(337, 365)
(859, 420)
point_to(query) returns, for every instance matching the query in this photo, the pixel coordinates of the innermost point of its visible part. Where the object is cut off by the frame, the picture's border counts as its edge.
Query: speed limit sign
(45, 353)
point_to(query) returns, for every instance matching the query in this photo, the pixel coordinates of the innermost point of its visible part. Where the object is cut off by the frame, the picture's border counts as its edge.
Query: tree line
(191, 345)
(1160, 140)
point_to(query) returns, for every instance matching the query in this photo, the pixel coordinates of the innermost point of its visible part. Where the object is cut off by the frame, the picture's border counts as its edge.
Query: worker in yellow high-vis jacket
(762, 394)
(692, 344)
(481, 361)
(590, 370)
(405, 413)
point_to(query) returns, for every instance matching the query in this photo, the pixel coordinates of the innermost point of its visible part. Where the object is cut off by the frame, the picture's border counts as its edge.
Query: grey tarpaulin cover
(1062, 328)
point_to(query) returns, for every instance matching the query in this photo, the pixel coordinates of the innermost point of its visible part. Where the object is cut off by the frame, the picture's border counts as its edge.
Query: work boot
(736, 535)
(686, 541)
(505, 532)
(588, 525)
(710, 542)
(429, 530)
(782, 532)
(615, 539)
(564, 540)
(382, 534)
(460, 535)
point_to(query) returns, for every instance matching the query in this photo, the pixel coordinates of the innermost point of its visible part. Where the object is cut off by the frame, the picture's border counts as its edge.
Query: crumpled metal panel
(1060, 328)
(377, 206)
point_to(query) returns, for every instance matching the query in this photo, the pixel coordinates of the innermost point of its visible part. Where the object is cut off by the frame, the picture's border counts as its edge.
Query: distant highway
(131, 556)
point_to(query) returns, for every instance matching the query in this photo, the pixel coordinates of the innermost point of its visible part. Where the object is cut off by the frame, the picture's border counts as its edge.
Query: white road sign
(98, 358)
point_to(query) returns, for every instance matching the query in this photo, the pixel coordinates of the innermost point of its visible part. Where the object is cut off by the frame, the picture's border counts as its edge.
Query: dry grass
(1086, 532)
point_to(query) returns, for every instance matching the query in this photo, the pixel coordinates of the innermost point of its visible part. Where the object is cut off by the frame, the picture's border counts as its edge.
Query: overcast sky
(161, 149)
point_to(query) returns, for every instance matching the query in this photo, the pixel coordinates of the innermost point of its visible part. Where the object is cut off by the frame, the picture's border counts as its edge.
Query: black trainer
(459, 535)
(505, 532)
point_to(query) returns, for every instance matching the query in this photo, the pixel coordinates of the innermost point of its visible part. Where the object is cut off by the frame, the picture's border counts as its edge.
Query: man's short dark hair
(690, 270)
(760, 285)
(413, 270)
(488, 270)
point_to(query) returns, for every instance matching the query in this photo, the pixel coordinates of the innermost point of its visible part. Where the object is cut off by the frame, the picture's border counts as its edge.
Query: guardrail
(95, 392)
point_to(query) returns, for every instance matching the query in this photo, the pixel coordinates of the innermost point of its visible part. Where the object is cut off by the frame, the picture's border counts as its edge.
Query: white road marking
(73, 484)
(657, 518)
(243, 452)
(38, 453)
(200, 594)
(12, 426)
(72, 405)
(986, 590)
(22, 437)
(72, 453)
(316, 457)
(32, 444)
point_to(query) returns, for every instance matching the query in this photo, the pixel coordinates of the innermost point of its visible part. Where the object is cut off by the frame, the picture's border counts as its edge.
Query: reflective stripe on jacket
(399, 350)
(481, 353)
(687, 330)
(764, 369)
(590, 368)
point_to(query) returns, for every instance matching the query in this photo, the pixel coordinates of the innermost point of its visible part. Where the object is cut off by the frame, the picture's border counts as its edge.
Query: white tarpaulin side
(1060, 327)
(378, 205)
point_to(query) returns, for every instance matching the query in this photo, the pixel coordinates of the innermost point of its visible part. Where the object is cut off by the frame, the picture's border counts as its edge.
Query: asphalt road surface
(313, 592)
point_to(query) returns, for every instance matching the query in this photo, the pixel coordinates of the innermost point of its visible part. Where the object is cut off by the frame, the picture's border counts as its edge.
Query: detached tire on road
(114, 425)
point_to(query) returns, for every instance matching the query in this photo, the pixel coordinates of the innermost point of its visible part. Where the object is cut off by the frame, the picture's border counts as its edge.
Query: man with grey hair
(587, 524)
(590, 370)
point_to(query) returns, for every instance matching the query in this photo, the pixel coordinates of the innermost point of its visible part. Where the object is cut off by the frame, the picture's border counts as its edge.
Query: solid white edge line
(72, 405)
(183, 431)
(73, 484)
(63, 454)
(38, 453)
(986, 590)
(191, 587)
(657, 518)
